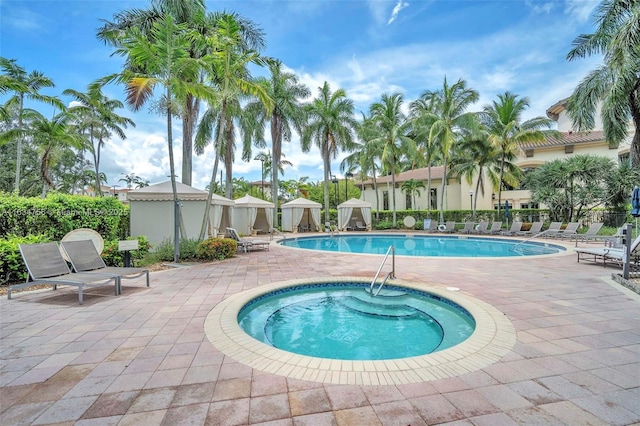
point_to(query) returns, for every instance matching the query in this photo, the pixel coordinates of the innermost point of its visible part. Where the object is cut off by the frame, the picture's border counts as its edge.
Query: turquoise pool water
(344, 321)
(424, 245)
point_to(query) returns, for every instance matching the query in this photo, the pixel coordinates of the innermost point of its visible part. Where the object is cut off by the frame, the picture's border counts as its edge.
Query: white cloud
(580, 9)
(396, 10)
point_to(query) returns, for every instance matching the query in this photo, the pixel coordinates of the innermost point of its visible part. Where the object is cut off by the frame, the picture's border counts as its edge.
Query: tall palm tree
(227, 68)
(193, 14)
(24, 86)
(96, 117)
(412, 188)
(449, 120)
(615, 83)
(287, 114)
(507, 132)
(164, 61)
(394, 127)
(331, 127)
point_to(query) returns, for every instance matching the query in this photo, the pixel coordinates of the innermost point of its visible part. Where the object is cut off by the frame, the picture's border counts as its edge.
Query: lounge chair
(570, 231)
(515, 227)
(535, 229)
(615, 255)
(591, 234)
(553, 229)
(85, 258)
(430, 225)
(46, 265)
(360, 226)
(468, 228)
(448, 227)
(246, 244)
(496, 227)
(481, 228)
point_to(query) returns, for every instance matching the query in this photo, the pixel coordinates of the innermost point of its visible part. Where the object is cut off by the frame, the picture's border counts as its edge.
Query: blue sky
(365, 47)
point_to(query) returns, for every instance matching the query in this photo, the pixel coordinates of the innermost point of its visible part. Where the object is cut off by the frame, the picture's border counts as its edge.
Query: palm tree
(506, 132)
(96, 116)
(193, 14)
(393, 136)
(449, 121)
(331, 127)
(286, 92)
(616, 83)
(24, 86)
(412, 187)
(164, 60)
(227, 67)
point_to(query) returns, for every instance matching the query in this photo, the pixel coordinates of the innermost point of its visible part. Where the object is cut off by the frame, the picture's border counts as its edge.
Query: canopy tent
(352, 211)
(301, 212)
(251, 213)
(152, 211)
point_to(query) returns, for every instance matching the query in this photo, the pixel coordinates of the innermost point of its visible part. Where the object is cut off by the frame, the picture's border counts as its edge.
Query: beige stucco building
(460, 195)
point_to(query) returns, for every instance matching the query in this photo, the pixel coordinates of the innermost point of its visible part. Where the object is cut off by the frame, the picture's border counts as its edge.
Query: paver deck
(144, 358)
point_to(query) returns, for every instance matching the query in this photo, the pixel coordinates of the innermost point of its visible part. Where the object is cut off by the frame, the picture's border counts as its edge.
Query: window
(529, 205)
(385, 200)
(407, 201)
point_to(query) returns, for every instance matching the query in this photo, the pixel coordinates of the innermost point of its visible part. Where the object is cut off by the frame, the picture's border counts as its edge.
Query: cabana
(152, 211)
(354, 214)
(301, 214)
(252, 214)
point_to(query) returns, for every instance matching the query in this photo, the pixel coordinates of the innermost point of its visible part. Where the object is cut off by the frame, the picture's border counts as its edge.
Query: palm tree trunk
(327, 165)
(192, 106)
(429, 190)
(174, 189)
(393, 190)
(442, 196)
(375, 189)
(276, 154)
(16, 185)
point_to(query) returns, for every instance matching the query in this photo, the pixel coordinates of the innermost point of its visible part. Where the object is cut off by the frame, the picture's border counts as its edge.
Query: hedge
(58, 214)
(12, 268)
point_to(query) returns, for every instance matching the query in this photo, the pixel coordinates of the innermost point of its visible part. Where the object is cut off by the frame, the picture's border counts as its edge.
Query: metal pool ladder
(391, 274)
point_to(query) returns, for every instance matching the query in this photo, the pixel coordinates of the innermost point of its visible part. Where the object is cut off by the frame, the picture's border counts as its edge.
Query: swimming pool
(345, 321)
(425, 245)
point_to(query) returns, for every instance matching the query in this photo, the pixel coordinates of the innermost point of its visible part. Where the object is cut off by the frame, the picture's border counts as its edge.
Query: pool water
(425, 245)
(344, 321)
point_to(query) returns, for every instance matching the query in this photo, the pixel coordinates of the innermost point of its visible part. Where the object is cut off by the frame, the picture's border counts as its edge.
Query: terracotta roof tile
(567, 138)
(418, 174)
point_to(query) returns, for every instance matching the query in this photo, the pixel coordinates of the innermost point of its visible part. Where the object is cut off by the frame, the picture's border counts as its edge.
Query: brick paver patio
(142, 358)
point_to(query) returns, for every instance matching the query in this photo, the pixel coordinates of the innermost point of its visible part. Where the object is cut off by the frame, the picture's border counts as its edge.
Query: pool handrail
(391, 274)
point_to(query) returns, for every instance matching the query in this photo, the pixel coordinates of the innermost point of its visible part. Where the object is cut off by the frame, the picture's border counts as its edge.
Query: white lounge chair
(246, 244)
(496, 227)
(85, 258)
(571, 230)
(515, 227)
(615, 255)
(46, 265)
(535, 229)
(552, 230)
(591, 234)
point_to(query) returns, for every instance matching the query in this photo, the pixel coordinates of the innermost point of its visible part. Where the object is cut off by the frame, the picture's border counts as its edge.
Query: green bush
(383, 225)
(12, 268)
(113, 257)
(58, 214)
(217, 249)
(188, 250)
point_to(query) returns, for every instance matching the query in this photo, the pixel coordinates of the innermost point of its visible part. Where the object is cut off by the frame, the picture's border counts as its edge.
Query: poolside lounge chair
(360, 226)
(481, 228)
(448, 227)
(496, 227)
(46, 265)
(612, 254)
(468, 228)
(246, 244)
(430, 225)
(570, 231)
(515, 227)
(535, 229)
(553, 229)
(85, 258)
(591, 234)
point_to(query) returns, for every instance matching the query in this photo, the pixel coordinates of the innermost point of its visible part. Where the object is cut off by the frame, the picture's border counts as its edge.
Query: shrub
(113, 257)
(188, 250)
(12, 268)
(217, 249)
(383, 225)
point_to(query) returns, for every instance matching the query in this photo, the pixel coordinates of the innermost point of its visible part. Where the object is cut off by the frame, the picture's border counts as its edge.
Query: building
(460, 195)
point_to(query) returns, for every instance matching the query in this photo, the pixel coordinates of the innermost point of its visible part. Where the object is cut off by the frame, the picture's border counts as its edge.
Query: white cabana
(353, 211)
(252, 214)
(301, 213)
(152, 211)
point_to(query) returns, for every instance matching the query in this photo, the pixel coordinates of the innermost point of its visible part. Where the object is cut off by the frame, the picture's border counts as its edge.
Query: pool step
(376, 306)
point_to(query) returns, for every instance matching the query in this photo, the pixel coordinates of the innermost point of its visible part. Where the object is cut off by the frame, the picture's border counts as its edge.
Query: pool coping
(493, 338)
